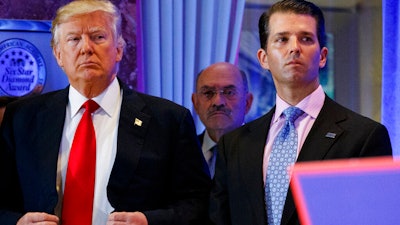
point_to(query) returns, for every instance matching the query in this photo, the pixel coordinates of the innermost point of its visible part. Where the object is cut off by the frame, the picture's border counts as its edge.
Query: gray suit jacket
(159, 168)
(237, 196)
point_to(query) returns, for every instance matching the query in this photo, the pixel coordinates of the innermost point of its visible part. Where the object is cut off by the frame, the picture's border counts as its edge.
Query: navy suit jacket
(159, 168)
(201, 137)
(237, 196)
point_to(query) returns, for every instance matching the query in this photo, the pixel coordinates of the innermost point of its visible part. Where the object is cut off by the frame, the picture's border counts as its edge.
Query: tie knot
(90, 106)
(292, 113)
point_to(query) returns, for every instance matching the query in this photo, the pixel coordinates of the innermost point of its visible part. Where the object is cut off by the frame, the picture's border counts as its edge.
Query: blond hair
(79, 7)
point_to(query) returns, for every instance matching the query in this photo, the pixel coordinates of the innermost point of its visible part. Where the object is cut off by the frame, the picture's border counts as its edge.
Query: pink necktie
(80, 178)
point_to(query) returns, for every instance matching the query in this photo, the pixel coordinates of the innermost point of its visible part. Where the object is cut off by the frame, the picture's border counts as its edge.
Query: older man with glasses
(222, 99)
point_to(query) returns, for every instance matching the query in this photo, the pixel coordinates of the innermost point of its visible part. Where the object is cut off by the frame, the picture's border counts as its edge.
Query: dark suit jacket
(238, 193)
(201, 137)
(159, 168)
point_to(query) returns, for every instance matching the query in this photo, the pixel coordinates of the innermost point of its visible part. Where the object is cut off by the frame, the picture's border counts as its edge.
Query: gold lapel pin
(138, 122)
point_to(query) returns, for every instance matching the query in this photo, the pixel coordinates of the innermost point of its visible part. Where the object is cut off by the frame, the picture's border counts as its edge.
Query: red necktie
(79, 183)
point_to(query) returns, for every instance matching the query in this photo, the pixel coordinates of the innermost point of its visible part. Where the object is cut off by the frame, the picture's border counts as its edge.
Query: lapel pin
(330, 135)
(138, 122)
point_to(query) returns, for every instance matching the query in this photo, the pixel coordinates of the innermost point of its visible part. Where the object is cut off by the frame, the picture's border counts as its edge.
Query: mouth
(294, 63)
(216, 113)
(88, 64)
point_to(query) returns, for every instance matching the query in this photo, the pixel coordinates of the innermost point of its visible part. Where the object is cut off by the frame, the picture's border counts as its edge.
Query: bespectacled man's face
(221, 100)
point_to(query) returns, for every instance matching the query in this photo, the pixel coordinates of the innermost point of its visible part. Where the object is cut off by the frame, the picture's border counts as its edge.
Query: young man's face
(293, 54)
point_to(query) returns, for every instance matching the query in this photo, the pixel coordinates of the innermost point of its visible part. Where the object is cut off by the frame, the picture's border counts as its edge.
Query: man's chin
(219, 122)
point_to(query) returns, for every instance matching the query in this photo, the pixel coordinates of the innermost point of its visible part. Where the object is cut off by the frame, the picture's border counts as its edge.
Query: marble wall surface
(45, 10)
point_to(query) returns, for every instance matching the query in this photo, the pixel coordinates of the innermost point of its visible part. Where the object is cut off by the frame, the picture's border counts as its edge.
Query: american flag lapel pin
(138, 122)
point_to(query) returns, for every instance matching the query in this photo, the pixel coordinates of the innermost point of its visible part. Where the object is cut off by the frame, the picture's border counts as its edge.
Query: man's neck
(215, 135)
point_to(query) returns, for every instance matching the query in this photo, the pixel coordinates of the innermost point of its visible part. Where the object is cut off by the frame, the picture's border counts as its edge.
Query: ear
(262, 58)
(249, 101)
(195, 102)
(57, 55)
(120, 52)
(323, 57)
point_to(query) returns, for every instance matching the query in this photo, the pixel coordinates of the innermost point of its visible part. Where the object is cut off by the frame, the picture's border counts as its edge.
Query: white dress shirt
(105, 121)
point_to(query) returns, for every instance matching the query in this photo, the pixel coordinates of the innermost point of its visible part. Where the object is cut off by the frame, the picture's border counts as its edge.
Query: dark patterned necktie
(211, 159)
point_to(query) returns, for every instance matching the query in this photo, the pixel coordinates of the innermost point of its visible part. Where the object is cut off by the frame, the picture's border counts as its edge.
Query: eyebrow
(224, 87)
(97, 29)
(285, 33)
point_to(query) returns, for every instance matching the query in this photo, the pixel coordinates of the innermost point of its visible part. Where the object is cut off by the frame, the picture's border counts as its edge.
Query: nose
(86, 47)
(219, 99)
(294, 46)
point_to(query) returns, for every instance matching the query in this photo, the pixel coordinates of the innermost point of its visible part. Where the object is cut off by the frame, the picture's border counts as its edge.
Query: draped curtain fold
(391, 72)
(179, 38)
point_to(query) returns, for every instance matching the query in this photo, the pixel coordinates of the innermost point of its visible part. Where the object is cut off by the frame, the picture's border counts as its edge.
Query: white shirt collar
(207, 142)
(106, 100)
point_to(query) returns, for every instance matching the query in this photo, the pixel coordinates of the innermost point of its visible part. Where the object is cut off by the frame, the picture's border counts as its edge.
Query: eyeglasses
(228, 93)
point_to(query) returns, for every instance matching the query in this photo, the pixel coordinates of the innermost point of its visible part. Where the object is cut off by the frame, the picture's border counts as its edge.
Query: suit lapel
(132, 129)
(200, 137)
(254, 142)
(51, 121)
(251, 161)
(324, 133)
(48, 133)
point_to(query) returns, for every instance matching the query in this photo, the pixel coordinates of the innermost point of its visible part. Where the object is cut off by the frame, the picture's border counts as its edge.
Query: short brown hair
(297, 7)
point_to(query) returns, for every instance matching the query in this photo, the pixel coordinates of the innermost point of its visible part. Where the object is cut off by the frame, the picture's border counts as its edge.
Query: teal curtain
(391, 72)
(178, 38)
